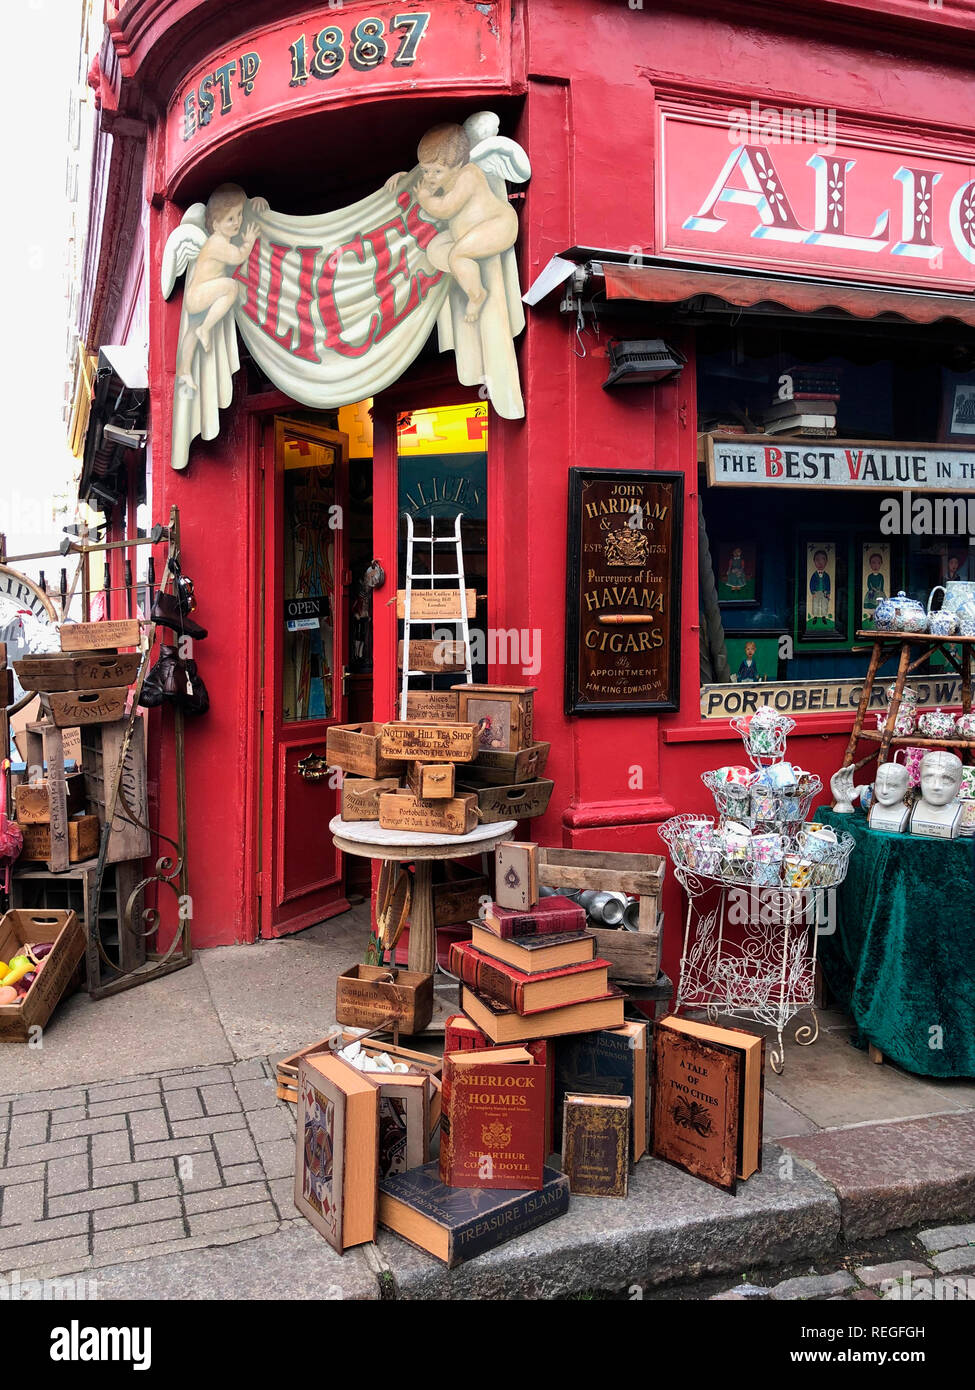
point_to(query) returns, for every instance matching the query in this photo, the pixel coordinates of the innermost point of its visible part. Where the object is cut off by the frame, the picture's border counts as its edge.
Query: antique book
(555, 914)
(611, 1061)
(516, 875)
(456, 1223)
(708, 1092)
(527, 994)
(596, 1144)
(461, 1035)
(404, 1121)
(535, 954)
(505, 1026)
(337, 1161)
(492, 1126)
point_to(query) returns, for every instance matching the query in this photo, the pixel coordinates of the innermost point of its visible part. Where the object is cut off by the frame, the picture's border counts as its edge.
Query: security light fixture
(642, 362)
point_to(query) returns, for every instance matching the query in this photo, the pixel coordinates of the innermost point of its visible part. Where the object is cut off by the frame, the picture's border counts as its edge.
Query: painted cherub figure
(210, 290)
(453, 190)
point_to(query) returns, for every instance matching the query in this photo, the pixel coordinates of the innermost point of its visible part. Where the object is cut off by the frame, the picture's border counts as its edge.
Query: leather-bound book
(555, 914)
(457, 1223)
(596, 1144)
(492, 1128)
(527, 994)
(708, 1094)
(504, 1026)
(461, 1035)
(613, 1062)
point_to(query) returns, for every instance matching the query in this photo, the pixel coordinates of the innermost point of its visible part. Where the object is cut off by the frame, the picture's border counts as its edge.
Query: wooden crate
(111, 632)
(508, 707)
(367, 996)
(458, 900)
(70, 709)
(503, 768)
(435, 605)
(402, 811)
(33, 1011)
(287, 1068)
(90, 671)
(406, 742)
(435, 658)
(438, 705)
(32, 803)
(101, 748)
(431, 781)
(360, 796)
(633, 956)
(83, 837)
(355, 748)
(38, 889)
(521, 801)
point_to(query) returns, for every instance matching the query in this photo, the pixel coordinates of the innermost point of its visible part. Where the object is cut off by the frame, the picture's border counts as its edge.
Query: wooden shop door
(306, 626)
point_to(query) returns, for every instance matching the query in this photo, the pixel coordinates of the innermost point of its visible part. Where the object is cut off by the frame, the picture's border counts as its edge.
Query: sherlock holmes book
(492, 1128)
(708, 1090)
(456, 1223)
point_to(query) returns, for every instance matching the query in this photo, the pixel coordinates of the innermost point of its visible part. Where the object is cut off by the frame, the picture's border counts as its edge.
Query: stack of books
(811, 414)
(534, 973)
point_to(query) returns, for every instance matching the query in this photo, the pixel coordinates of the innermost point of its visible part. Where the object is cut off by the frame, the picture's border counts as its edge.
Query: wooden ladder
(458, 617)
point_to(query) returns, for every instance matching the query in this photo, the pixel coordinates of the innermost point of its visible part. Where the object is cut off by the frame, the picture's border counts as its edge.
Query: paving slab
(781, 1120)
(834, 1084)
(165, 1024)
(889, 1176)
(293, 1263)
(670, 1227)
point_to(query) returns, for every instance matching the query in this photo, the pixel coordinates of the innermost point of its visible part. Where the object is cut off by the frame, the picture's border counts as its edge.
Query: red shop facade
(783, 201)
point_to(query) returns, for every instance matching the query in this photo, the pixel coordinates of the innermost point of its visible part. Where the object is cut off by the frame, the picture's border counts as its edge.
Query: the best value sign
(753, 461)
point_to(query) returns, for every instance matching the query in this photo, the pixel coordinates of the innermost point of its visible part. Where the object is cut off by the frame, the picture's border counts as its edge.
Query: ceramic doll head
(940, 778)
(890, 784)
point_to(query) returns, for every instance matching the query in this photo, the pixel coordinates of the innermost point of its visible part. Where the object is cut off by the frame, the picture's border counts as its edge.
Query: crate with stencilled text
(371, 996)
(432, 706)
(360, 796)
(523, 801)
(101, 749)
(405, 741)
(82, 671)
(69, 709)
(504, 714)
(32, 800)
(355, 749)
(20, 1021)
(110, 632)
(404, 812)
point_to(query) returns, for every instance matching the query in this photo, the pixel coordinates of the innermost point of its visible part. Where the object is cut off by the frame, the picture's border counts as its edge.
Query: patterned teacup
(912, 761)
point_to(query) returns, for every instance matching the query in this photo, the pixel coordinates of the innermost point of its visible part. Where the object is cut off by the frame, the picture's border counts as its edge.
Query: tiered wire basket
(758, 879)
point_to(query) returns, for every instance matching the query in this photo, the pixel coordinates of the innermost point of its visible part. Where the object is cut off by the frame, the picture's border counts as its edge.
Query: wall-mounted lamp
(642, 362)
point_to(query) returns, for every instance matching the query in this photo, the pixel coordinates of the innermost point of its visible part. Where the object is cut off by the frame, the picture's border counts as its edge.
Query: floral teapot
(959, 603)
(900, 614)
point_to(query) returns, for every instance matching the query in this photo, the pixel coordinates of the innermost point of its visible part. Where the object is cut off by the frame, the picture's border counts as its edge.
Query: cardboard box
(16, 929)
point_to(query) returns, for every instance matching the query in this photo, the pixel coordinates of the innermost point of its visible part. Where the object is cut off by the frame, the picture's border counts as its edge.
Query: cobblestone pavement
(943, 1268)
(94, 1175)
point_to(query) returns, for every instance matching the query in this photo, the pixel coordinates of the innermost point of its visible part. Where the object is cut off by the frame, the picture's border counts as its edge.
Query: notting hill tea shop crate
(355, 749)
(368, 996)
(19, 927)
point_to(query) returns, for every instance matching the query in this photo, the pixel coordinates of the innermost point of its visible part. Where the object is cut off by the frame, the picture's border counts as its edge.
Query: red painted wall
(586, 117)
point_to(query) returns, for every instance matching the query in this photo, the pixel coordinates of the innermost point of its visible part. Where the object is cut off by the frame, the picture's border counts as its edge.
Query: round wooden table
(369, 841)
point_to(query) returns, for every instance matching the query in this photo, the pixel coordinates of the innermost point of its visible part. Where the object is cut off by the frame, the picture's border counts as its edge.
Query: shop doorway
(306, 623)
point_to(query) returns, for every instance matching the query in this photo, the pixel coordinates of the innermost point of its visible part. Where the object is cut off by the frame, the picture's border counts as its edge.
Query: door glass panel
(309, 578)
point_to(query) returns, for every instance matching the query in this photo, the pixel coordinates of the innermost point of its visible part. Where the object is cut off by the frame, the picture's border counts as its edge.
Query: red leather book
(492, 1129)
(528, 994)
(461, 1035)
(555, 914)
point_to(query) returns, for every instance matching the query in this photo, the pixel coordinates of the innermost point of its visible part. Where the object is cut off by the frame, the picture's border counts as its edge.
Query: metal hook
(580, 329)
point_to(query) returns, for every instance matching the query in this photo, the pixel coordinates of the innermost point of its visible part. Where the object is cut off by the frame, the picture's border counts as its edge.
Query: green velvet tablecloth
(902, 959)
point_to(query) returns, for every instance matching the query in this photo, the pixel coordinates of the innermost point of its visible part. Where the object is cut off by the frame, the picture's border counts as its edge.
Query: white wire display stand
(751, 928)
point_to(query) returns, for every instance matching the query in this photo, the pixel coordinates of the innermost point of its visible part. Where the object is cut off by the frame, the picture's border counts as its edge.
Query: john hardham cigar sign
(623, 595)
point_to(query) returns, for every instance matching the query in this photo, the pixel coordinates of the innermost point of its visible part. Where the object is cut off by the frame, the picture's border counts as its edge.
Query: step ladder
(409, 621)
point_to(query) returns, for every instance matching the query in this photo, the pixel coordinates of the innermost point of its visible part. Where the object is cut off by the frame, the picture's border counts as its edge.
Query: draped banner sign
(335, 308)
